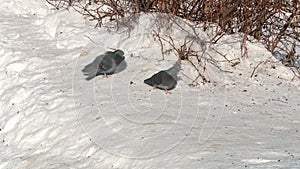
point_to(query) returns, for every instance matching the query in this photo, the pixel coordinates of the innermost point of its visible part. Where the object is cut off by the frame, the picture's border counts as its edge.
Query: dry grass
(273, 22)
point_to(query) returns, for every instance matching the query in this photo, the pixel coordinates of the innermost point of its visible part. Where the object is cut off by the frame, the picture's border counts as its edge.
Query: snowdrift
(51, 117)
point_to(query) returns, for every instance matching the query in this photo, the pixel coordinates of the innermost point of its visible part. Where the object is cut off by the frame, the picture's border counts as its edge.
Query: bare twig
(274, 23)
(256, 68)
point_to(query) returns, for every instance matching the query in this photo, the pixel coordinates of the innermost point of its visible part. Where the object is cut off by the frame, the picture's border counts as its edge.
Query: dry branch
(275, 23)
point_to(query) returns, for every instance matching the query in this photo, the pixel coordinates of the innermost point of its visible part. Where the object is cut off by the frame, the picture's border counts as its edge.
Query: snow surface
(52, 118)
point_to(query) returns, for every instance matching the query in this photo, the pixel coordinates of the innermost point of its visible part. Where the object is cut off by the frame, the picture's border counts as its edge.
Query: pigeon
(165, 79)
(105, 64)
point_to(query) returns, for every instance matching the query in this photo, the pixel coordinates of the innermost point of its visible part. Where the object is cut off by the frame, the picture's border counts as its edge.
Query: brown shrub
(274, 22)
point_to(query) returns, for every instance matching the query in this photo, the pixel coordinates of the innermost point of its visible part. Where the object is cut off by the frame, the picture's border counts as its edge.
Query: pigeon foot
(168, 92)
(105, 76)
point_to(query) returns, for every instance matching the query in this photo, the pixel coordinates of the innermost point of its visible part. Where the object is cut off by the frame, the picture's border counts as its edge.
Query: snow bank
(52, 118)
(25, 8)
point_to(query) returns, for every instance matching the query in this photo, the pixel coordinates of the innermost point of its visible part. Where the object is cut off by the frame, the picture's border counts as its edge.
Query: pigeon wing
(106, 66)
(91, 69)
(154, 80)
(167, 81)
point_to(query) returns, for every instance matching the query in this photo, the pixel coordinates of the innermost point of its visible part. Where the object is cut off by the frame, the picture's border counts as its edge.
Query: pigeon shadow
(122, 66)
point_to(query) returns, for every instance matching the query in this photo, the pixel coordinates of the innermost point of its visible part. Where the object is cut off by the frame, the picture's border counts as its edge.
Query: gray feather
(173, 71)
(165, 79)
(104, 64)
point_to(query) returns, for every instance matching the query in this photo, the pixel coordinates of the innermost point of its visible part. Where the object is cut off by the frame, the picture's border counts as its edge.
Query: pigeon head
(119, 52)
(118, 56)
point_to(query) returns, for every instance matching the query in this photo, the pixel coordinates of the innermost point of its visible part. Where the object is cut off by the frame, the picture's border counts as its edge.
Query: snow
(51, 117)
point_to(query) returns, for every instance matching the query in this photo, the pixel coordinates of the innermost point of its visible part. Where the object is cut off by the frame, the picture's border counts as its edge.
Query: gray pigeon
(105, 64)
(165, 79)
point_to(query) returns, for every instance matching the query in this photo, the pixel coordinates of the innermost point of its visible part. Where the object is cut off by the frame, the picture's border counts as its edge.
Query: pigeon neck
(115, 53)
(173, 70)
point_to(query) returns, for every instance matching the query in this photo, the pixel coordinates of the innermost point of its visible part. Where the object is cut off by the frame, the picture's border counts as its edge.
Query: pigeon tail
(90, 70)
(151, 82)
